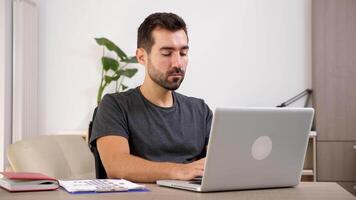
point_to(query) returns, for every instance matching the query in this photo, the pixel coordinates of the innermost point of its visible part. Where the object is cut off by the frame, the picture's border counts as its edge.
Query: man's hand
(188, 171)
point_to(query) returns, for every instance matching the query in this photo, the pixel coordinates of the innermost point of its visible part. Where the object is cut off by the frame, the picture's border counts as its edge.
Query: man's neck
(157, 95)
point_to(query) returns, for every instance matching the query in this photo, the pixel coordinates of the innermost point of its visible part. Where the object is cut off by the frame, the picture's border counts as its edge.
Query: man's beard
(162, 79)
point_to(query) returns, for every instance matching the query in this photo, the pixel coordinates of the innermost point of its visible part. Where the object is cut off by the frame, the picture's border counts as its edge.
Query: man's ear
(141, 56)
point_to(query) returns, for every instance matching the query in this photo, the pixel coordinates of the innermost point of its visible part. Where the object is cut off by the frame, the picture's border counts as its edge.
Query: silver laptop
(252, 148)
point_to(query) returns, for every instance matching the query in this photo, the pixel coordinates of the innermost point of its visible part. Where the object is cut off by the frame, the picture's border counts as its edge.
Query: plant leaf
(115, 78)
(128, 72)
(124, 87)
(131, 59)
(109, 63)
(108, 79)
(112, 47)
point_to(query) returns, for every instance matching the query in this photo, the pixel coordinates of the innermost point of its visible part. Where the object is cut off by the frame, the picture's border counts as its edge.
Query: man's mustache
(176, 71)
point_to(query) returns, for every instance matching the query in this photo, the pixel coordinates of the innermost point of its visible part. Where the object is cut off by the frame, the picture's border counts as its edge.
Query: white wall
(243, 52)
(5, 79)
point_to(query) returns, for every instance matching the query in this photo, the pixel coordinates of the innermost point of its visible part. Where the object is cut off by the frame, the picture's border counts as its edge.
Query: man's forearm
(119, 163)
(140, 170)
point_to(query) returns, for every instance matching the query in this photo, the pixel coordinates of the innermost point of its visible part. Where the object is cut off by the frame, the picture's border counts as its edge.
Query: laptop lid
(253, 148)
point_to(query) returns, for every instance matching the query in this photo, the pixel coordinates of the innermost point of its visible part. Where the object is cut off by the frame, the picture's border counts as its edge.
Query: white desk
(304, 191)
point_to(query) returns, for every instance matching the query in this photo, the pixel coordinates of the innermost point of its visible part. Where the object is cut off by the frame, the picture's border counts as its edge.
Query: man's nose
(177, 60)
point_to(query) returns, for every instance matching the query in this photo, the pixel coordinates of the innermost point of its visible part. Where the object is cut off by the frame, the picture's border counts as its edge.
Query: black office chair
(99, 168)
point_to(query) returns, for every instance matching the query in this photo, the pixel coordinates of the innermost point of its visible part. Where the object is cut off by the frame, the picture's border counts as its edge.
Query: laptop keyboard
(196, 180)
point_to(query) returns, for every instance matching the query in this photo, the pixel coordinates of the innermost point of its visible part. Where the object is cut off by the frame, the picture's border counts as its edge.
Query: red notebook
(27, 181)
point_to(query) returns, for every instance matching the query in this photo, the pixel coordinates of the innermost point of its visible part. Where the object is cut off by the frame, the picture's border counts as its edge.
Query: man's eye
(183, 53)
(166, 54)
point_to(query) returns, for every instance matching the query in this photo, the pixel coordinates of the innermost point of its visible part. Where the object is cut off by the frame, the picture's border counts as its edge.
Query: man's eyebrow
(172, 48)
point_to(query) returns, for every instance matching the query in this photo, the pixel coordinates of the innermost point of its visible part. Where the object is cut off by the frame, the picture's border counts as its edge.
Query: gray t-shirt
(176, 134)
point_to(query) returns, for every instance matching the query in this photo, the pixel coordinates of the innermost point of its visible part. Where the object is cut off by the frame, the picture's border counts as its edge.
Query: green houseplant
(114, 70)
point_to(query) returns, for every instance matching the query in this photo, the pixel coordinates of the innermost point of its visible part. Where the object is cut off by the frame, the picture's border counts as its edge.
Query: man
(151, 132)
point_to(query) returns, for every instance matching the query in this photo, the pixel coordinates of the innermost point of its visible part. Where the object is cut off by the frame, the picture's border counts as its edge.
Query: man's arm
(119, 163)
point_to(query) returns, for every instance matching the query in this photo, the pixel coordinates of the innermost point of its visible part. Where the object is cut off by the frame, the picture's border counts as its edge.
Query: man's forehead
(166, 38)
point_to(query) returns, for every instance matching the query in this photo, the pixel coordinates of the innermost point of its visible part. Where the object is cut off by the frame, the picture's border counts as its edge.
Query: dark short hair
(168, 21)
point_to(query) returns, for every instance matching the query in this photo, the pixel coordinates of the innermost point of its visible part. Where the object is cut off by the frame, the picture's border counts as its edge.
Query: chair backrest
(58, 156)
(99, 168)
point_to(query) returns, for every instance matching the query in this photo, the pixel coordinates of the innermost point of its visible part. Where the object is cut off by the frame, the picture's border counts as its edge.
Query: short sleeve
(110, 119)
(208, 118)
